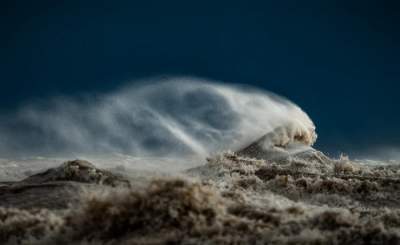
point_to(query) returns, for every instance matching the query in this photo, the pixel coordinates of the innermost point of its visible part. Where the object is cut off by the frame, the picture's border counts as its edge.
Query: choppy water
(306, 198)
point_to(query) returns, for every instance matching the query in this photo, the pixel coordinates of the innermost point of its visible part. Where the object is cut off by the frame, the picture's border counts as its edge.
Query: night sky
(338, 60)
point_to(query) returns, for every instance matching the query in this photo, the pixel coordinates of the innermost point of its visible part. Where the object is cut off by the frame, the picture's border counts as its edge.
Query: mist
(179, 116)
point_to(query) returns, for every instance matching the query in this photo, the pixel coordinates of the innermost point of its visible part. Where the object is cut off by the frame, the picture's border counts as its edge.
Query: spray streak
(172, 117)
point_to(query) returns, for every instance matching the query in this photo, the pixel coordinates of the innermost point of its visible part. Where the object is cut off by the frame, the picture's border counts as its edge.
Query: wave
(155, 117)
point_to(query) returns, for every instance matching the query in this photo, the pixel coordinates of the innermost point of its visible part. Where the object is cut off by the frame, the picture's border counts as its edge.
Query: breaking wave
(156, 117)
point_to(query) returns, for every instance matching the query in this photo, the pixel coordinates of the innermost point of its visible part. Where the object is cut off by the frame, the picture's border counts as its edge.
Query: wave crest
(174, 116)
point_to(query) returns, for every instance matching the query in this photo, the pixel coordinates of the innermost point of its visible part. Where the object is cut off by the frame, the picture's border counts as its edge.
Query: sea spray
(154, 117)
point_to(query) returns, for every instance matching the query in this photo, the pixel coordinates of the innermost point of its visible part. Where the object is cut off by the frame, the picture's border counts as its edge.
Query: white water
(169, 117)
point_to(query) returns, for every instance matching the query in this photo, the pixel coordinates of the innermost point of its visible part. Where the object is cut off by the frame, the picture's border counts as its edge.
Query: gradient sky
(338, 60)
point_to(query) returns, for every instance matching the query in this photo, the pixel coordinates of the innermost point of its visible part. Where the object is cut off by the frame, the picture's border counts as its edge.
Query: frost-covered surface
(303, 198)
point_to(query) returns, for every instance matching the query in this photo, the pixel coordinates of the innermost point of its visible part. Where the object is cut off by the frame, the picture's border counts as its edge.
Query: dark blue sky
(339, 60)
